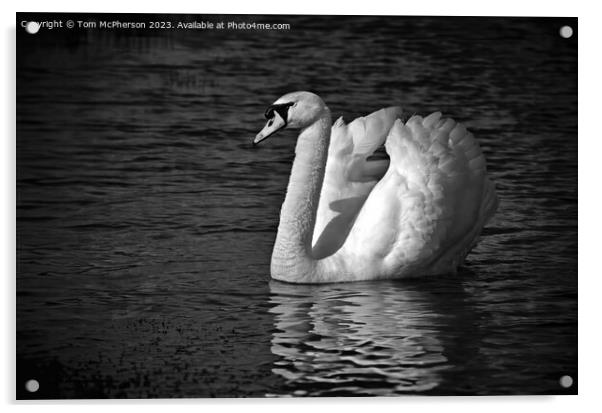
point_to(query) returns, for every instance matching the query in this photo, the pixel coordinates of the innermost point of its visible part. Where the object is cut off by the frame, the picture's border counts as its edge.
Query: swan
(347, 216)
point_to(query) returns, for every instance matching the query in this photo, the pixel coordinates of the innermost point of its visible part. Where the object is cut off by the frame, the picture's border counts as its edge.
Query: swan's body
(348, 218)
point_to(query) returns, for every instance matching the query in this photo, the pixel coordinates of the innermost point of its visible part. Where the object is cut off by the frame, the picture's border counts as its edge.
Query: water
(145, 220)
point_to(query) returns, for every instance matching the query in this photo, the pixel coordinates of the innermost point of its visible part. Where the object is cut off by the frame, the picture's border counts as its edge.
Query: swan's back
(427, 211)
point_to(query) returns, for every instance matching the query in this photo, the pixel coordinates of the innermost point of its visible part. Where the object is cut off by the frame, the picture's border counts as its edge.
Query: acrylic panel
(146, 219)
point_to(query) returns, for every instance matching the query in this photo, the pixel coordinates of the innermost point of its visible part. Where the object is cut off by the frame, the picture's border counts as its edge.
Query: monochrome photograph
(295, 206)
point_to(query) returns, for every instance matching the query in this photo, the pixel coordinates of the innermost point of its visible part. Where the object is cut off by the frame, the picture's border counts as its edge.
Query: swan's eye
(280, 108)
(271, 122)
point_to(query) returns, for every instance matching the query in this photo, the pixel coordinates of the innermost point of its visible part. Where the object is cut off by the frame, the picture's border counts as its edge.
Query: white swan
(349, 218)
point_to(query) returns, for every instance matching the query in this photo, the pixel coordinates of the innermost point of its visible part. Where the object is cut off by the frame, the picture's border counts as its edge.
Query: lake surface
(145, 219)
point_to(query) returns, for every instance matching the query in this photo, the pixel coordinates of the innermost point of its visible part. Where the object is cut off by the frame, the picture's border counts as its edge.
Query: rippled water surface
(145, 220)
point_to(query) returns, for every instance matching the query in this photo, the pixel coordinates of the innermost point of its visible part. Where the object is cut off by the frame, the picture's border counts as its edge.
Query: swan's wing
(349, 176)
(369, 132)
(427, 211)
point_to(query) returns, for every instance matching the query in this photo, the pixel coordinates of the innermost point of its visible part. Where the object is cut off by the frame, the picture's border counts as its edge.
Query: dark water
(145, 221)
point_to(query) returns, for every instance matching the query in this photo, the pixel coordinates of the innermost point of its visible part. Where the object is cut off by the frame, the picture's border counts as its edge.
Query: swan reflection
(356, 338)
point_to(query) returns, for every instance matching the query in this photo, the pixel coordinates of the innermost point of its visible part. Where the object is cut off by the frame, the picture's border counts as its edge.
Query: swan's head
(295, 110)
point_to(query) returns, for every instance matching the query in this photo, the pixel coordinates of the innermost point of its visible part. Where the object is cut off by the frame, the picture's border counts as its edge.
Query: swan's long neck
(292, 260)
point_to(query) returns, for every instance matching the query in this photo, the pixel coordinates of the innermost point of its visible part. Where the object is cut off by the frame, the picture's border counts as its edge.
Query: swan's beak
(274, 124)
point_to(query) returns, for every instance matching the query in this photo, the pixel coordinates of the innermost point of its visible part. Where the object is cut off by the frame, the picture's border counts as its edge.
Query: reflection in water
(357, 338)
